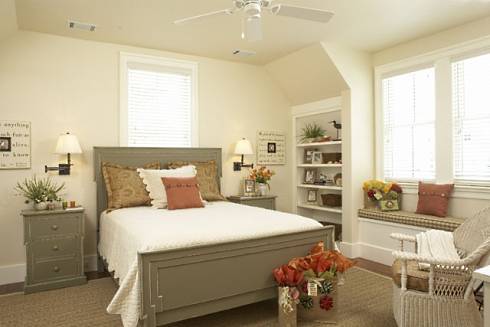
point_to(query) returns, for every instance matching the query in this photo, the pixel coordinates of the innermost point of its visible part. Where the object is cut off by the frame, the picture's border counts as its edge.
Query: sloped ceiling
(8, 18)
(307, 75)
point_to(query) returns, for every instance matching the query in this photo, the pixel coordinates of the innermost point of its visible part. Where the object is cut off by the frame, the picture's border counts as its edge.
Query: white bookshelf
(322, 114)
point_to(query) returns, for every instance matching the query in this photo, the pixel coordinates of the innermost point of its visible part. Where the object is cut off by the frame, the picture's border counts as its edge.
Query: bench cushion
(417, 280)
(414, 219)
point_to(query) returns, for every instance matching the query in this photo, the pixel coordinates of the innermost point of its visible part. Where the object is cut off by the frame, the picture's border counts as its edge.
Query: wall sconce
(243, 147)
(67, 144)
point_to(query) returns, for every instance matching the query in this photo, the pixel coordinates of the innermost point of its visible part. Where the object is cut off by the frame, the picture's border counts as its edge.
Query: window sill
(460, 191)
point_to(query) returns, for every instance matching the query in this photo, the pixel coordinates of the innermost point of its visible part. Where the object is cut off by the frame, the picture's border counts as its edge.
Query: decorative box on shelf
(332, 200)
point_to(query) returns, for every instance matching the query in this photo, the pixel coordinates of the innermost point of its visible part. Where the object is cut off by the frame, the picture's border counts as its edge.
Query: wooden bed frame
(185, 283)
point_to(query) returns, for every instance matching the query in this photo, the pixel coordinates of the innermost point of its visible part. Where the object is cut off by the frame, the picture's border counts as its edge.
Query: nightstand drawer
(61, 224)
(56, 247)
(54, 269)
(266, 204)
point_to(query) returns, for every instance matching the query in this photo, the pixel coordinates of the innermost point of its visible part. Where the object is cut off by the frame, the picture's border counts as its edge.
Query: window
(471, 114)
(158, 102)
(409, 133)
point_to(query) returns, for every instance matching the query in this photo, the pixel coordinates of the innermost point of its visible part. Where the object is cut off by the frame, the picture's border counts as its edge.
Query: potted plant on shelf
(40, 192)
(262, 176)
(313, 133)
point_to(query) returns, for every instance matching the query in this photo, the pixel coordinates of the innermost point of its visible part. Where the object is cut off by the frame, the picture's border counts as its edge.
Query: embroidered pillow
(434, 199)
(182, 193)
(207, 177)
(153, 181)
(124, 186)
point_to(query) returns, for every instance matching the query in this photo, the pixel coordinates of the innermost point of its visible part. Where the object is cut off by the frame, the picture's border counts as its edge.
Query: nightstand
(266, 202)
(54, 249)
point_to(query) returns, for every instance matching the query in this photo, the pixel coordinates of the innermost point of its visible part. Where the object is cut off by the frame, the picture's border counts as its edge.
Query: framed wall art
(15, 144)
(271, 148)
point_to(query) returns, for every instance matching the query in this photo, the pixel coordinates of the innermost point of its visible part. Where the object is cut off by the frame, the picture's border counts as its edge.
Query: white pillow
(152, 178)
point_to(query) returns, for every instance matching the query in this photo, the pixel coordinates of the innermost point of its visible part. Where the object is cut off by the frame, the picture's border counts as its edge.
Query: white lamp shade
(68, 143)
(243, 147)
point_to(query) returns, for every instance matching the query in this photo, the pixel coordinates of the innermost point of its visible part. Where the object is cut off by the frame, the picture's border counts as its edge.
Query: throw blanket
(436, 244)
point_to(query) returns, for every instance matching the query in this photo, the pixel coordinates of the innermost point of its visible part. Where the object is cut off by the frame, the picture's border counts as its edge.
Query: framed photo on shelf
(249, 187)
(308, 156)
(316, 158)
(310, 176)
(312, 196)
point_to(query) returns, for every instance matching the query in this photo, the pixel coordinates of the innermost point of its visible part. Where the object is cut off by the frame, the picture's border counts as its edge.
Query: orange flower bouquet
(262, 176)
(319, 271)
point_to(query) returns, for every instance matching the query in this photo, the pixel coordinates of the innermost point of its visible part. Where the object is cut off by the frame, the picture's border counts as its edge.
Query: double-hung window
(408, 125)
(471, 119)
(158, 102)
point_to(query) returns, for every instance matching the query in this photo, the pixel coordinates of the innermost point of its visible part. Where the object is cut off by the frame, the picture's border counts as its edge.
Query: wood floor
(360, 262)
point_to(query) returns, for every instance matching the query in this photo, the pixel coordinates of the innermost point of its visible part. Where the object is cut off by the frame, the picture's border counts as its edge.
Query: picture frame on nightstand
(249, 187)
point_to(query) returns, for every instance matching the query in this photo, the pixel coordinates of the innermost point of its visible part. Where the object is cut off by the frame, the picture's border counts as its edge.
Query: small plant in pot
(40, 191)
(312, 133)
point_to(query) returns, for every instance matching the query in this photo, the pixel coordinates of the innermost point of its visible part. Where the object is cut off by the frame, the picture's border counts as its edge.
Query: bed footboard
(186, 283)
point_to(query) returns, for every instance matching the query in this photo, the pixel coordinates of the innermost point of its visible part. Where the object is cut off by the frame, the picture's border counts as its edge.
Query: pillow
(153, 181)
(124, 186)
(182, 192)
(434, 199)
(207, 177)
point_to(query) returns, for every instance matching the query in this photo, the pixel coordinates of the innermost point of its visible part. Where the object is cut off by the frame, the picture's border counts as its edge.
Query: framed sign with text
(271, 148)
(15, 144)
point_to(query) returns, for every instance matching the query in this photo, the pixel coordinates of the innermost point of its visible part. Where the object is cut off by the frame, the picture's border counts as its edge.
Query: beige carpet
(365, 300)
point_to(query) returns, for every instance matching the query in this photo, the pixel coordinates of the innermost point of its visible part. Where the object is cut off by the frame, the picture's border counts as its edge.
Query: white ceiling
(369, 25)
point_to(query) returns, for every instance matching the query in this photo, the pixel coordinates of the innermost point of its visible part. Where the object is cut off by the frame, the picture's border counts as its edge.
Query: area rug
(364, 300)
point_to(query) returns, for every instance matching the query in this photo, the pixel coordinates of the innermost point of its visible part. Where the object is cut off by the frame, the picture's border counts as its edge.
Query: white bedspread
(125, 232)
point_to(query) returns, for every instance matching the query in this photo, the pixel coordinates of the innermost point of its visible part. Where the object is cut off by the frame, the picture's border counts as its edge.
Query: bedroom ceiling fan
(252, 11)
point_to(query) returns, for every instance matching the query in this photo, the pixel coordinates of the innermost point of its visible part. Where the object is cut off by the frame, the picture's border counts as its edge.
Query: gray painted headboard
(137, 157)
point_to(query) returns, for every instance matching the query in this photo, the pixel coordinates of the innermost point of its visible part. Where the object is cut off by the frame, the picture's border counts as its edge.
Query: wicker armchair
(448, 300)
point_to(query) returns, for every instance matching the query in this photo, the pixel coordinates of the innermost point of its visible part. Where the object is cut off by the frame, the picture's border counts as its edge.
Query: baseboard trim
(351, 250)
(12, 274)
(376, 253)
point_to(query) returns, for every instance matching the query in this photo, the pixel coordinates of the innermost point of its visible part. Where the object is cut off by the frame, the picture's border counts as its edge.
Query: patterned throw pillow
(207, 177)
(124, 186)
(182, 193)
(434, 199)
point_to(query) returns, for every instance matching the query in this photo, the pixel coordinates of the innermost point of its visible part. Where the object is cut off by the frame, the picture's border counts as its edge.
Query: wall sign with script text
(271, 148)
(15, 144)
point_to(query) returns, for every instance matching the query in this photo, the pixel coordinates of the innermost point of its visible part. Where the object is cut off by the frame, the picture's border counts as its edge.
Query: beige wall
(307, 75)
(357, 131)
(448, 38)
(8, 18)
(62, 84)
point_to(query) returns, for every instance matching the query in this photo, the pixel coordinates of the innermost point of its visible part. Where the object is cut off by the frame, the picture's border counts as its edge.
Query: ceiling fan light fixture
(252, 9)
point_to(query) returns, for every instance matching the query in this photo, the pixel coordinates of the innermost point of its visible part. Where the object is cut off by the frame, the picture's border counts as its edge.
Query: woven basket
(332, 200)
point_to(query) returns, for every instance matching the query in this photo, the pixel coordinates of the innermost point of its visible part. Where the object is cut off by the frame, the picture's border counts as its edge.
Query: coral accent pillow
(434, 199)
(182, 192)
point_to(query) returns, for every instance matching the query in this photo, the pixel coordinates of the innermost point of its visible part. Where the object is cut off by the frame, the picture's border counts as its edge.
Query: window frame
(162, 62)
(441, 60)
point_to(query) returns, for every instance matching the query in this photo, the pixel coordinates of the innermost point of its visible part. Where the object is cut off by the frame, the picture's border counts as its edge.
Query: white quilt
(125, 232)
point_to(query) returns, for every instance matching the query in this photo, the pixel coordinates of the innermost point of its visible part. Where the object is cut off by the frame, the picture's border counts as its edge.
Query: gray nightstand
(266, 202)
(54, 249)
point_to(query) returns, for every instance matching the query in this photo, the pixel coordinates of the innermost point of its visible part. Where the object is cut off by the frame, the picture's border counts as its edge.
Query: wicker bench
(411, 218)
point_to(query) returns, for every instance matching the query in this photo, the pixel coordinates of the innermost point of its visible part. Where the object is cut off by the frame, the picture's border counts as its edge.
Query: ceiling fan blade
(204, 16)
(316, 15)
(252, 29)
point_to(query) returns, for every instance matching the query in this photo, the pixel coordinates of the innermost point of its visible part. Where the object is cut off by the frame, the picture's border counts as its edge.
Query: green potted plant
(312, 133)
(39, 191)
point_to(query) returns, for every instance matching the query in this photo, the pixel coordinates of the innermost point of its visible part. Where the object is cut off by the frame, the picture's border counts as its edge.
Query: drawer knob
(55, 248)
(54, 227)
(56, 269)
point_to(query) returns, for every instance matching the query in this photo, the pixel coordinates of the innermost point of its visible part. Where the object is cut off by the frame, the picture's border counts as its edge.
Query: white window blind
(159, 106)
(409, 130)
(471, 113)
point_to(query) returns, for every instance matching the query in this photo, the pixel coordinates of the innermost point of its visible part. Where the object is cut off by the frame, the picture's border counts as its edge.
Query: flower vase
(320, 308)
(262, 189)
(287, 308)
(40, 206)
